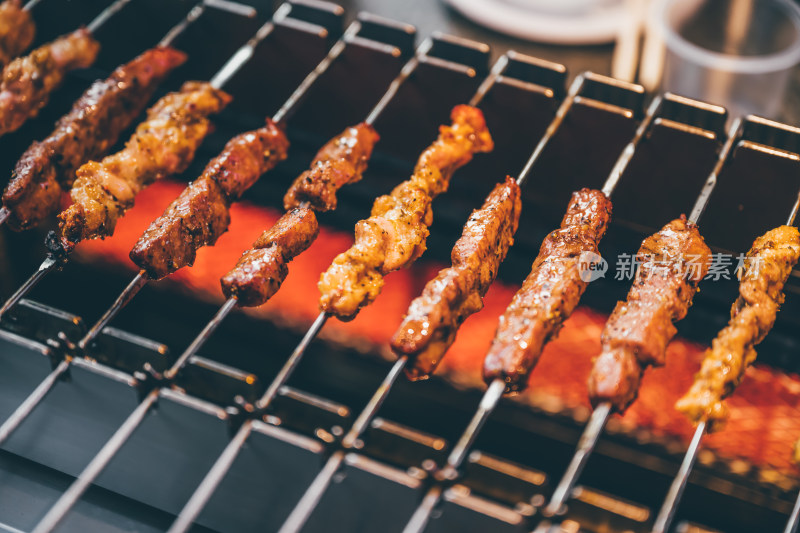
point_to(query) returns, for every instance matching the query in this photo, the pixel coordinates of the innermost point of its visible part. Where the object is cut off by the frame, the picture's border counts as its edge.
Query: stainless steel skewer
(53, 259)
(62, 507)
(140, 280)
(670, 506)
(494, 392)
(214, 477)
(602, 412)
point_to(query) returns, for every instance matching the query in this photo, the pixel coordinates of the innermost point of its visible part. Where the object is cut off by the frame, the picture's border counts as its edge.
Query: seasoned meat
(261, 270)
(162, 145)
(200, 214)
(88, 131)
(16, 30)
(394, 236)
(767, 267)
(671, 264)
(341, 161)
(28, 81)
(433, 319)
(550, 292)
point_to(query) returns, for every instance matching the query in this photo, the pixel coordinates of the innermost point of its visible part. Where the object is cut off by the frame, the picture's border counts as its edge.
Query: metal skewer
(218, 471)
(602, 412)
(57, 513)
(494, 392)
(55, 260)
(302, 511)
(670, 506)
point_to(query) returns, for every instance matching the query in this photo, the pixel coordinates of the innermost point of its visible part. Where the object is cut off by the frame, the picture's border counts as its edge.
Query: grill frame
(231, 413)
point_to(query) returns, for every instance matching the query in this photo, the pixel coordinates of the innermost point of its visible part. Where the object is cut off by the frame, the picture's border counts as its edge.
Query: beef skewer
(71, 496)
(581, 229)
(35, 171)
(767, 266)
(16, 30)
(616, 373)
(209, 484)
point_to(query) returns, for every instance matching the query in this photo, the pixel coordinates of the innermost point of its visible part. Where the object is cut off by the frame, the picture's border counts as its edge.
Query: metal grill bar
(602, 412)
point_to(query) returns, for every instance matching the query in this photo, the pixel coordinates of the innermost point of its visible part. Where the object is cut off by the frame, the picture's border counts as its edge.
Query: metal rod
(47, 265)
(670, 505)
(243, 54)
(202, 337)
(552, 128)
(106, 14)
(405, 72)
(210, 482)
(67, 500)
(4, 214)
(490, 80)
(290, 106)
(302, 511)
(630, 149)
(181, 26)
(794, 518)
(133, 288)
(702, 200)
(30, 5)
(30, 403)
(488, 404)
(585, 446)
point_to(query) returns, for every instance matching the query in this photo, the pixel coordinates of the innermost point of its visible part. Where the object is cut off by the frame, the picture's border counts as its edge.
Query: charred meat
(430, 326)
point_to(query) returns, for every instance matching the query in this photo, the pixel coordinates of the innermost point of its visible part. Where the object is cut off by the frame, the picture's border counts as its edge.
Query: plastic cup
(736, 53)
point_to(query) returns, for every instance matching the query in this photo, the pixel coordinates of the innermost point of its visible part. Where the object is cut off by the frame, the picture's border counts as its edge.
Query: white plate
(551, 21)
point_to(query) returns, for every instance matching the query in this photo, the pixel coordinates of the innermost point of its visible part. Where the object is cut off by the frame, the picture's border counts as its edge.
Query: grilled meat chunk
(341, 161)
(768, 265)
(261, 270)
(200, 214)
(672, 263)
(28, 81)
(16, 30)
(550, 292)
(88, 131)
(430, 326)
(162, 145)
(394, 236)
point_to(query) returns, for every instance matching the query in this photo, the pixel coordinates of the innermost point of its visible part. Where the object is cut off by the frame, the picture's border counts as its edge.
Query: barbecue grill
(509, 472)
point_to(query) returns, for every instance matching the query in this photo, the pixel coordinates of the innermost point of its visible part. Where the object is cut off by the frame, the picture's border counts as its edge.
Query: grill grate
(266, 442)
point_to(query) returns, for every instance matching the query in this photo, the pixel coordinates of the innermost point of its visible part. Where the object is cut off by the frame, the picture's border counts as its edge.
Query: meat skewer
(16, 30)
(767, 266)
(48, 167)
(643, 324)
(581, 229)
(232, 172)
(28, 81)
(299, 197)
(32, 194)
(91, 127)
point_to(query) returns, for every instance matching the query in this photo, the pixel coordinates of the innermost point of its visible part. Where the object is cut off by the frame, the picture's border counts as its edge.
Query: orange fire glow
(764, 422)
